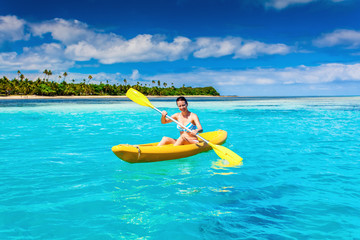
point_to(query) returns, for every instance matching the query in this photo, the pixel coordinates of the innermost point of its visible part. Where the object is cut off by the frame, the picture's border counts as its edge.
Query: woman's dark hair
(181, 99)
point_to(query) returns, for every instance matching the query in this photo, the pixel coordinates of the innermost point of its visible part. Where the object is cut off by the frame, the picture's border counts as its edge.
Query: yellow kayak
(152, 153)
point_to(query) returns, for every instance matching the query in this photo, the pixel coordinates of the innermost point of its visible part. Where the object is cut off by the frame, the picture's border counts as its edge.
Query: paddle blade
(224, 153)
(139, 98)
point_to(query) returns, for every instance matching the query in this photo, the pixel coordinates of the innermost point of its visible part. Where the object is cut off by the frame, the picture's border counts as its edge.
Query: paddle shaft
(181, 125)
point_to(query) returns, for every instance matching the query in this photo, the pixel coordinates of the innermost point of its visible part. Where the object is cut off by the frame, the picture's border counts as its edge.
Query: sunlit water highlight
(300, 178)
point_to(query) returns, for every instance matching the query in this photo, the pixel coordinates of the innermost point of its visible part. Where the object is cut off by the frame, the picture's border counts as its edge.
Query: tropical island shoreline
(22, 88)
(33, 97)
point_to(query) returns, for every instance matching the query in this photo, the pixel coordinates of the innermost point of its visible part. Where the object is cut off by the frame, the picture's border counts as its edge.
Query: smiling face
(182, 105)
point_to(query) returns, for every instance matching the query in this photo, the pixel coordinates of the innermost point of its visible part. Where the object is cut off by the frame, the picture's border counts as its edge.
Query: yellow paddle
(224, 153)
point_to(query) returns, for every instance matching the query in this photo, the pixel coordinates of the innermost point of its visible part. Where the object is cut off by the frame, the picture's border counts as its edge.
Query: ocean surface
(300, 177)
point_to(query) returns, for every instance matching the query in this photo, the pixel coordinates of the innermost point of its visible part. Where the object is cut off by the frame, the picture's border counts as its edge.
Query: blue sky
(241, 47)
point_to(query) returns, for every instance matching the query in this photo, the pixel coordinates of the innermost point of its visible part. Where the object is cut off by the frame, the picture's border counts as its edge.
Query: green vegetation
(44, 87)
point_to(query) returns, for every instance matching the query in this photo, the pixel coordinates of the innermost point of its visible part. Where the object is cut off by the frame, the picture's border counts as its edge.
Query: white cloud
(227, 80)
(281, 4)
(66, 31)
(350, 38)
(76, 41)
(83, 44)
(48, 56)
(143, 48)
(253, 49)
(135, 75)
(11, 29)
(218, 47)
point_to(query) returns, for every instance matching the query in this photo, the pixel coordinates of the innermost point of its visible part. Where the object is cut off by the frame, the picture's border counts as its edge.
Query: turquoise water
(300, 177)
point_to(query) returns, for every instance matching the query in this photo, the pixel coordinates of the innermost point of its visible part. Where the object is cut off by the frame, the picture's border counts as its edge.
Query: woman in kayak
(186, 118)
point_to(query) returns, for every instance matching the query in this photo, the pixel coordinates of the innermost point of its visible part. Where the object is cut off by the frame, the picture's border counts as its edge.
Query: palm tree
(49, 73)
(89, 77)
(125, 81)
(18, 72)
(46, 72)
(159, 83)
(65, 74)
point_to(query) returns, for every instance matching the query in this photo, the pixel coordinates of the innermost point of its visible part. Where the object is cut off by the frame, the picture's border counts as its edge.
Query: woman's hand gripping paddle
(224, 153)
